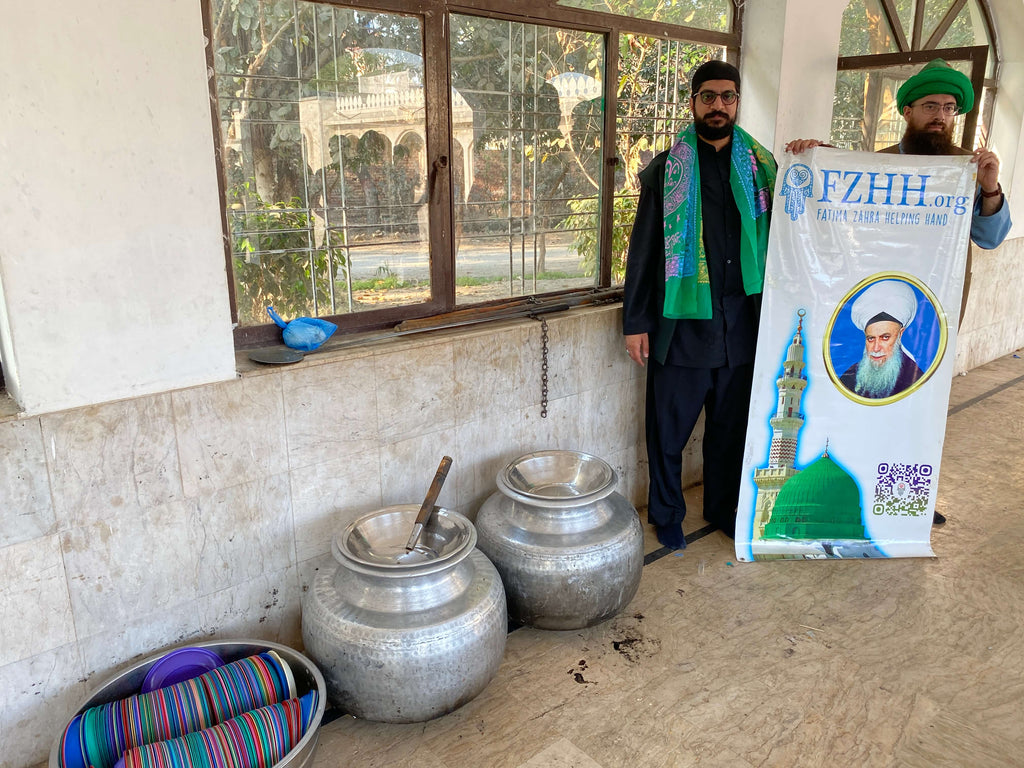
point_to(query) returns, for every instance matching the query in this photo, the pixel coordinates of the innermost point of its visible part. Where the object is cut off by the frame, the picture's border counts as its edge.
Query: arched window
(883, 42)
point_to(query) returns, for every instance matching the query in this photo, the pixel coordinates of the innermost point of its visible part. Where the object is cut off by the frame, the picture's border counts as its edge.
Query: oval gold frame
(940, 316)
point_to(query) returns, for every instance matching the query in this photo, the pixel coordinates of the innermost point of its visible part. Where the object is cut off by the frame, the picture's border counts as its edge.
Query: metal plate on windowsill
(275, 356)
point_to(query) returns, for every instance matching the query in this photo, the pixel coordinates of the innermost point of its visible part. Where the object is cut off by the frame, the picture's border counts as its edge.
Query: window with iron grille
(400, 159)
(884, 42)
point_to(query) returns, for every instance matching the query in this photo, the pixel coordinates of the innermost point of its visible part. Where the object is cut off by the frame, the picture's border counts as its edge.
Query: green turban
(937, 77)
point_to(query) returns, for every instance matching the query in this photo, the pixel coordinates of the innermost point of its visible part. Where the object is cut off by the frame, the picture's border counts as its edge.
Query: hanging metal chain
(543, 366)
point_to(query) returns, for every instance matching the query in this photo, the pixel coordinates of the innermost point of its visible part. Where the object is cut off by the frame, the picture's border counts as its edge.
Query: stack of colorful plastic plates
(71, 751)
(174, 710)
(244, 685)
(259, 738)
(289, 680)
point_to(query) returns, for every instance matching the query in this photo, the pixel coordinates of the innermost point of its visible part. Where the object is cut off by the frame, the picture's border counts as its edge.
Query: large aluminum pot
(404, 642)
(570, 550)
(128, 682)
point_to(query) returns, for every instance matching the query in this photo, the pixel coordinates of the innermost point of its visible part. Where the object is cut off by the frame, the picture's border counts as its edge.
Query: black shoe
(671, 535)
(939, 519)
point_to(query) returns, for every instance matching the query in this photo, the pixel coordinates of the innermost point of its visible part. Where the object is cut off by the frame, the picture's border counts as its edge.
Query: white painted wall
(112, 279)
(111, 255)
(1007, 138)
(789, 68)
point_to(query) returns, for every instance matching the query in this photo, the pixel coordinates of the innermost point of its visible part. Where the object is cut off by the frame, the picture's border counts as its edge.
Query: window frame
(916, 50)
(977, 55)
(439, 143)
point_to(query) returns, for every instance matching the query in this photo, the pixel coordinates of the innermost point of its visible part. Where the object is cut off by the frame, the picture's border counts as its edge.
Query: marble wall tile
(489, 374)
(560, 430)
(414, 391)
(331, 410)
(485, 446)
(265, 608)
(243, 532)
(142, 635)
(112, 457)
(230, 433)
(326, 496)
(566, 369)
(602, 351)
(35, 607)
(308, 570)
(40, 694)
(145, 559)
(693, 458)
(26, 508)
(407, 468)
(631, 466)
(614, 418)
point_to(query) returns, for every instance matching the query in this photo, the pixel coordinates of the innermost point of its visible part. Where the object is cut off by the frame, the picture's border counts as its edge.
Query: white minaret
(786, 425)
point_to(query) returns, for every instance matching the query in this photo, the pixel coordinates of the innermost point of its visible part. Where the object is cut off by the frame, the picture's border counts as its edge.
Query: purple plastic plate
(177, 666)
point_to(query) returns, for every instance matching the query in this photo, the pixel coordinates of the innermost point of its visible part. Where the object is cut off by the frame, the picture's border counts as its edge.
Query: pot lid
(558, 476)
(375, 542)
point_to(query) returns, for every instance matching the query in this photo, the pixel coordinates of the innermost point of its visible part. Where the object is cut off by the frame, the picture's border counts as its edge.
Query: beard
(874, 380)
(713, 132)
(923, 142)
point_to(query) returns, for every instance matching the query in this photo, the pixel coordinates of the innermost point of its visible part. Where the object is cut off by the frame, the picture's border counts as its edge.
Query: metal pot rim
(384, 564)
(510, 477)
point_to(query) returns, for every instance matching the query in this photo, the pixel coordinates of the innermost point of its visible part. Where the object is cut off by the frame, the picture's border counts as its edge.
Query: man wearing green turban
(930, 102)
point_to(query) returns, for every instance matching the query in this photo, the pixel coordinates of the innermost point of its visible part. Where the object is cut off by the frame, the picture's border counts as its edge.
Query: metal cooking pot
(570, 550)
(405, 641)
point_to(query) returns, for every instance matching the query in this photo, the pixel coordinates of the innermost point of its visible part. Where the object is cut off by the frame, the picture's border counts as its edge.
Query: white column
(788, 68)
(1007, 136)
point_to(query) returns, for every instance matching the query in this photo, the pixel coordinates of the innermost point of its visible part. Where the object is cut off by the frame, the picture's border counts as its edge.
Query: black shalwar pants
(675, 397)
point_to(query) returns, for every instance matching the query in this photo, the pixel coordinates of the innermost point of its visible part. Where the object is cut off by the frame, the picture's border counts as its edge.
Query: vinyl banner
(855, 355)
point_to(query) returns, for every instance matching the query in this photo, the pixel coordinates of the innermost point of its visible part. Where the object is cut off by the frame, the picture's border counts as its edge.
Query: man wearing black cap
(692, 299)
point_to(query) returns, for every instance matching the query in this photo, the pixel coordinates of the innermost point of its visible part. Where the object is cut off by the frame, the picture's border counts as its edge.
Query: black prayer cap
(713, 70)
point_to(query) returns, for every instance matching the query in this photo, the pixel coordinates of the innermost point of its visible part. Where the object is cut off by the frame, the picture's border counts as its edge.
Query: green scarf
(752, 179)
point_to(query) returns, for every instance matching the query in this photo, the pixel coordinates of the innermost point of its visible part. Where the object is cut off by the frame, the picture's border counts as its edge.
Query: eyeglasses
(933, 108)
(727, 97)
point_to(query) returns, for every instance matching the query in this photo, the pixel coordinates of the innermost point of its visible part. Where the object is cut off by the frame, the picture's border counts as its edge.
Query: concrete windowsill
(361, 345)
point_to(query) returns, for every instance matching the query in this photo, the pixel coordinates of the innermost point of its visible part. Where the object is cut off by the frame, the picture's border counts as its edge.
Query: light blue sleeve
(990, 231)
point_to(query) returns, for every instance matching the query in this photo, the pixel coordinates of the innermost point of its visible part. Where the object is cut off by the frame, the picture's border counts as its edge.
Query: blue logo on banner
(797, 185)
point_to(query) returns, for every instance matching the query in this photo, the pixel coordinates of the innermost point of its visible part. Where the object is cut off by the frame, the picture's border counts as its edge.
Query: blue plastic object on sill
(303, 333)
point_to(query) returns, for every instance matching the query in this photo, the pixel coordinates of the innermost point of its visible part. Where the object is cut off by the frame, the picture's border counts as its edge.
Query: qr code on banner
(902, 489)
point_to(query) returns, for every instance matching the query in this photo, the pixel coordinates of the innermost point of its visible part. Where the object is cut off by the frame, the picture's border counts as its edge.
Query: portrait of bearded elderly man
(886, 368)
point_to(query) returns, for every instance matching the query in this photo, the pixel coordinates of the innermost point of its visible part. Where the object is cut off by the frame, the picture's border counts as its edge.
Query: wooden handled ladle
(413, 552)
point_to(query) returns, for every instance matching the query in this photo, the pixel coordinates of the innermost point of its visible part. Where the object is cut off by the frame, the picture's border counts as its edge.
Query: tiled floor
(882, 663)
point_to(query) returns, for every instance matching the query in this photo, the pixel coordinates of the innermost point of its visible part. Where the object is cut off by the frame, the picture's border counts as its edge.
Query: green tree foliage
(861, 97)
(702, 14)
(653, 106)
(273, 261)
(530, 175)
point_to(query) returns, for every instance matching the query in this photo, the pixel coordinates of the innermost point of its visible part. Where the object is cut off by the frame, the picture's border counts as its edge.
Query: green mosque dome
(822, 503)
